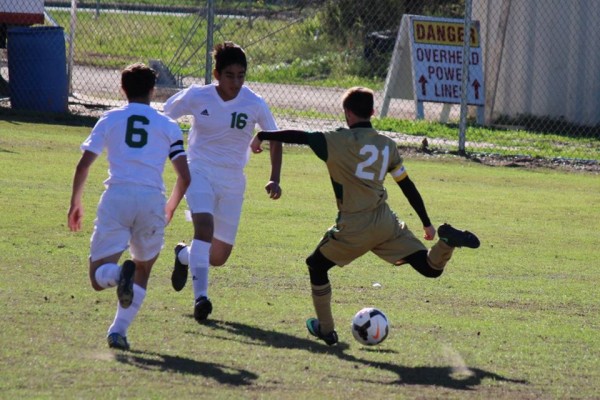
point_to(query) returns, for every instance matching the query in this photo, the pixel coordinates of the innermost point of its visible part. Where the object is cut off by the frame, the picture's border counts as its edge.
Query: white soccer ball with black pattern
(370, 326)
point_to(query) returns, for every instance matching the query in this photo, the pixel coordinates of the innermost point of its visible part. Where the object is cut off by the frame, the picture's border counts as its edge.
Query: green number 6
(136, 137)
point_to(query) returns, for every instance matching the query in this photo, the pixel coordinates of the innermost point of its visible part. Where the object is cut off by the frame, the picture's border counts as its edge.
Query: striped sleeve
(399, 173)
(176, 150)
(396, 166)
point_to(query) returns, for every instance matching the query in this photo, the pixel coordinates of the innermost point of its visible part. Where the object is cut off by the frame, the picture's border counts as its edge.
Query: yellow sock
(439, 255)
(321, 296)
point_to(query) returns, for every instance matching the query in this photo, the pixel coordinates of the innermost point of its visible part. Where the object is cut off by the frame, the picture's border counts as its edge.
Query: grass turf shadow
(445, 376)
(183, 365)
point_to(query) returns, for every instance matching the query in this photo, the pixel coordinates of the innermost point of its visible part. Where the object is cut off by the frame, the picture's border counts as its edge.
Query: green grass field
(517, 318)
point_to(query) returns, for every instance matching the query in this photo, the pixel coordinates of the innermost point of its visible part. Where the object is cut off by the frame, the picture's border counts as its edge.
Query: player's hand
(169, 212)
(255, 145)
(74, 217)
(429, 232)
(273, 189)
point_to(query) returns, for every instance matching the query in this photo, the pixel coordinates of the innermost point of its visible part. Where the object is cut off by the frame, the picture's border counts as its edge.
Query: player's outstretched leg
(125, 286)
(314, 328)
(180, 270)
(202, 308)
(455, 238)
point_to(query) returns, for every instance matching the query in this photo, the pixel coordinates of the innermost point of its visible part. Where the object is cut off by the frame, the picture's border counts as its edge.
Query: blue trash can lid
(33, 29)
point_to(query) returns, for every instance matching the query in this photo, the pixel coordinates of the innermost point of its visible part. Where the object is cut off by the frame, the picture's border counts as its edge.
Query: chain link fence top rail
(540, 62)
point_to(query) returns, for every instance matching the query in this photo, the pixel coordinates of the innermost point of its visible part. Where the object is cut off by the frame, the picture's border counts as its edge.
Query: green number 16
(238, 120)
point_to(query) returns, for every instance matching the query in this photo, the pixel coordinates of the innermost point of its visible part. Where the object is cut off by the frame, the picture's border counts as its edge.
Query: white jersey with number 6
(222, 130)
(138, 140)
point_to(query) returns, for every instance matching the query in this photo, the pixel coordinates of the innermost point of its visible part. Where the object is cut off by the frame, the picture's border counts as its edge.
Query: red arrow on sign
(423, 83)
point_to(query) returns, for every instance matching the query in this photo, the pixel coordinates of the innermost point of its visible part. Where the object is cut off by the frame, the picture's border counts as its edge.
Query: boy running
(225, 115)
(132, 211)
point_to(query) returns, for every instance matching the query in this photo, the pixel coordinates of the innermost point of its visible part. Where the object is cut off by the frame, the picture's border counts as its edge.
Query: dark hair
(359, 100)
(227, 54)
(137, 80)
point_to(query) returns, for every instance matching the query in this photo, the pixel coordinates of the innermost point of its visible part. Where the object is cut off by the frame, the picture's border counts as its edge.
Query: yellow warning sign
(442, 33)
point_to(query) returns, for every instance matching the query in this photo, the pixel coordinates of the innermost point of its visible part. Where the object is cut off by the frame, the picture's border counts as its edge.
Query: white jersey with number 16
(222, 130)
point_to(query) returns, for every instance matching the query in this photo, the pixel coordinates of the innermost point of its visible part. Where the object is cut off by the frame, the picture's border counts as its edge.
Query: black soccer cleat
(314, 328)
(116, 341)
(202, 308)
(180, 270)
(125, 286)
(455, 238)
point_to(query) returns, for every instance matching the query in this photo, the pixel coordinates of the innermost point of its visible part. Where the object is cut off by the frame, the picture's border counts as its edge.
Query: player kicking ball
(358, 159)
(132, 212)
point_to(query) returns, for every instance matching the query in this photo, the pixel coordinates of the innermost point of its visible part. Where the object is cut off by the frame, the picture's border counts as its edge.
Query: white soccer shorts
(129, 216)
(220, 192)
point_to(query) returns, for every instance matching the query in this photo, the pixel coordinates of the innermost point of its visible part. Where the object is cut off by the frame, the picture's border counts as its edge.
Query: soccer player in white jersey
(225, 114)
(132, 211)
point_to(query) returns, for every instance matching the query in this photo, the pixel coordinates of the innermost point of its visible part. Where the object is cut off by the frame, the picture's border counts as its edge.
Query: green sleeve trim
(318, 144)
(338, 189)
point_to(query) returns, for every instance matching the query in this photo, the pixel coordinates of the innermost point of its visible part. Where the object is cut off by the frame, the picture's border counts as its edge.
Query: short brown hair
(359, 100)
(137, 80)
(227, 54)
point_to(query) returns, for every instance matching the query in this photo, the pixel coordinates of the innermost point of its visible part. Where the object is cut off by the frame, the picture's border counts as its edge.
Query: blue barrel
(37, 69)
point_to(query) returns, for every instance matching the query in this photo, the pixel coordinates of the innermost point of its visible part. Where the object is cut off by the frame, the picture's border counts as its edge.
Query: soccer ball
(370, 326)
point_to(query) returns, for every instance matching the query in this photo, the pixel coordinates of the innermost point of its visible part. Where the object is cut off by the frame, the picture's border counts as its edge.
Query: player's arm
(272, 187)
(416, 201)
(177, 105)
(277, 137)
(315, 140)
(75, 215)
(266, 121)
(180, 165)
(282, 136)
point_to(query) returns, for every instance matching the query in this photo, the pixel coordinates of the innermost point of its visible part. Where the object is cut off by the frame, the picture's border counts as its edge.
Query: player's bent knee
(216, 261)
(318, 266)
(93, 282)
(427, 271)
(219, 253)
(318, 276)
(420, 263)
(432, 273)
(95, 286)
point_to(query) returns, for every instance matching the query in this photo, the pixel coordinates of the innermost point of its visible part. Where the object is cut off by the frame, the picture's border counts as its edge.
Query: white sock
(125, 316)
(184, 255)
(107, 275)
(199, 265)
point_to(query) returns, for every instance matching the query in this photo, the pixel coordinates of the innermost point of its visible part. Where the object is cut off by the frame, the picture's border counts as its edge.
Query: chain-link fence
(538, 96)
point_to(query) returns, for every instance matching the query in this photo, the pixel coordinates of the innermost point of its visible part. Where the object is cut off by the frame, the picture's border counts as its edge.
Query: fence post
(72, 28)
(210, 28)
(465, 79)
